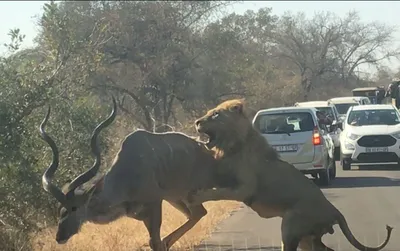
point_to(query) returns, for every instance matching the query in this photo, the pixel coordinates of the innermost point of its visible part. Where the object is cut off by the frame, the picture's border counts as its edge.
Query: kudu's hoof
(160, 246)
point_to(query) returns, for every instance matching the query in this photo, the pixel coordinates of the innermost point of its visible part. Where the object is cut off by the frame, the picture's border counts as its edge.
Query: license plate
(286, 148)
(376, 149)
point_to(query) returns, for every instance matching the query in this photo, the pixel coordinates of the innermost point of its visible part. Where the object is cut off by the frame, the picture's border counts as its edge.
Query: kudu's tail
(350, 237)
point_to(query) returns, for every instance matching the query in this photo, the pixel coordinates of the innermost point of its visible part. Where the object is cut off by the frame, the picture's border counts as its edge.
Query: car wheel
(325, 175)
(337, 153)
(332, 169)
(346, 163)
(324, 178)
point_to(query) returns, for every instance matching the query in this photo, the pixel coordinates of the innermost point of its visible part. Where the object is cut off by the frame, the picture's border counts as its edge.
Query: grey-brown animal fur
(148, 168)
(270, 186)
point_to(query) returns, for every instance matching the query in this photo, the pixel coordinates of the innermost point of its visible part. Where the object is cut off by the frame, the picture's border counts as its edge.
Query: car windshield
(373, 117)
(284, 123)
(343, 108)
(328, 111)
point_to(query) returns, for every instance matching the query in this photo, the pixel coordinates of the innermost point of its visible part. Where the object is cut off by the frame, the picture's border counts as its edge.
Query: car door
(337, 130)
(328, 142)
(335, 112)
(335, 117)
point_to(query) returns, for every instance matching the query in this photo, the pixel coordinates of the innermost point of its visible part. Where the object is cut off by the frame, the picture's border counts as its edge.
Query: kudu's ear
(64, 188)
(96, 186)
(100, 183)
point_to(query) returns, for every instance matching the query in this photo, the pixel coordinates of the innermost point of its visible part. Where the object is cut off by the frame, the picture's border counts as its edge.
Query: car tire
(332, 169)
(346, 163)
(337, 153)
(324, 176)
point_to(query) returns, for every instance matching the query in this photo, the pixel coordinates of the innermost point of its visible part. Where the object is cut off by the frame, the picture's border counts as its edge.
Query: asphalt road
(369, 198)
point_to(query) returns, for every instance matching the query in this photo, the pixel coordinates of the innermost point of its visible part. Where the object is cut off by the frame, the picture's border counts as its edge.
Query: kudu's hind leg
(194, 215)
(151, 215)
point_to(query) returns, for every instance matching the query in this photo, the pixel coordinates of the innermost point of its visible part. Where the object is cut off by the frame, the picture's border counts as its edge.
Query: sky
(21, 14)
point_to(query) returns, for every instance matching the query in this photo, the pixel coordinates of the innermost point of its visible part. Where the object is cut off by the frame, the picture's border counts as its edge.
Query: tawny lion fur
(270, 186)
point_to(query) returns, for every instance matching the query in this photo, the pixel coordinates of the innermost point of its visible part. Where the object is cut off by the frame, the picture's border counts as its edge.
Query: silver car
(294, 132)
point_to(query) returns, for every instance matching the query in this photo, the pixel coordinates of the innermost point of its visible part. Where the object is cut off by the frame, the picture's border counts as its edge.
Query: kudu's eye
(73, 209)
(214, 115)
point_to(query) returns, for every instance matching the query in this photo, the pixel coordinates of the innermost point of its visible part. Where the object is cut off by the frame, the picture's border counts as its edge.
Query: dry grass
(129, 234)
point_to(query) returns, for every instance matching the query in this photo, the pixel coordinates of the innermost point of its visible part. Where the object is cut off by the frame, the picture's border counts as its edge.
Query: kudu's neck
(99, 209)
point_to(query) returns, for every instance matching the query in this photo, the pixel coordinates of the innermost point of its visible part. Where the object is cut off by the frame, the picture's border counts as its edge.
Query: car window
(335, 111)
(328, 111)
(343, 108)
(373, 117)
(284, 123)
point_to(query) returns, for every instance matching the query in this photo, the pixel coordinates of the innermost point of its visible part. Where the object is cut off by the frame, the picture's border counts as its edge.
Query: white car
(294, 132)
(343, 104)
(330, 110)
(370, 136)
(362, 100)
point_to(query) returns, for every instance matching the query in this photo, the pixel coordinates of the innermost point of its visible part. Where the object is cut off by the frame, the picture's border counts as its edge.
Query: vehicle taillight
(316, 138)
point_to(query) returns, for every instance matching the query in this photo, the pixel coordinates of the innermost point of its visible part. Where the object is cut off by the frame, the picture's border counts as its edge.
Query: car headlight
(352, 136)
(349, 146)
(396, 135)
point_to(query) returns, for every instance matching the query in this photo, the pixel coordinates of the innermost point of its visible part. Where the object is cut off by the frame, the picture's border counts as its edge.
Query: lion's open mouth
(211, 139)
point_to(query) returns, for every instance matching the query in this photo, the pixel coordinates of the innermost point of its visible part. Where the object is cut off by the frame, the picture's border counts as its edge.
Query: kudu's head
(72, 201)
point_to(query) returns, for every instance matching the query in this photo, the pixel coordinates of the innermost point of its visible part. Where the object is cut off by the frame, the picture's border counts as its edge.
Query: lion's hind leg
(313, 243)
(296, 229)
(291, 232)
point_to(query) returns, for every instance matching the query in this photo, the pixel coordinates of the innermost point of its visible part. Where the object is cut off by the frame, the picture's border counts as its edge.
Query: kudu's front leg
(194, 215)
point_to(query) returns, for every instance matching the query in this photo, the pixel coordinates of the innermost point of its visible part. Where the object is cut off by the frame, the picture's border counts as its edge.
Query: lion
(267, 184)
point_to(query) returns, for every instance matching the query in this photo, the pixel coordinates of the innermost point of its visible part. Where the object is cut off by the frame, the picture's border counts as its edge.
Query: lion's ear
(237, 108)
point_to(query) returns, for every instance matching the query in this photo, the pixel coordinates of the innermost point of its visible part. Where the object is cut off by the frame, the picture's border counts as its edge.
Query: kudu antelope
(148, 168)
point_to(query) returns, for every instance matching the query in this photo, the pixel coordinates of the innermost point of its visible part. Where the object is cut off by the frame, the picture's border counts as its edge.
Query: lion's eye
(214, 115)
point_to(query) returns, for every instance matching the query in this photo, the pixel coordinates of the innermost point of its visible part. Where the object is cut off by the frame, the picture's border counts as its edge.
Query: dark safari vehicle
(375, 94)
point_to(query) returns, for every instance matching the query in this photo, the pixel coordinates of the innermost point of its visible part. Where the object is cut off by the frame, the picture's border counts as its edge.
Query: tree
(327, 46)
(307, 44)
(362, 44)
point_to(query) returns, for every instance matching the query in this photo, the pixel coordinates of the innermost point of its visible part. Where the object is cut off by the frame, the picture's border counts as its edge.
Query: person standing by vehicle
(323, 119)
(380, 95)
(394, 92)
(388, 91)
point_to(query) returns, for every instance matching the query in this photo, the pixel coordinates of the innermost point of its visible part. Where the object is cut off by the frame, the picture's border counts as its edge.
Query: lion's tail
(350, 237)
